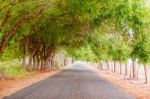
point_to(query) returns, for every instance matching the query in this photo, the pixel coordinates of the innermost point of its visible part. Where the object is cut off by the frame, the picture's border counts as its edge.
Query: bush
(12, 69)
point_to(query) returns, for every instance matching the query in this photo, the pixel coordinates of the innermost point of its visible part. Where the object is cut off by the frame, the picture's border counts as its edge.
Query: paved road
(75, 82)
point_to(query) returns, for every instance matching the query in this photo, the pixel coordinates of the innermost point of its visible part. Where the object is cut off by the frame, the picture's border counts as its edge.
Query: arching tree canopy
(108, 29)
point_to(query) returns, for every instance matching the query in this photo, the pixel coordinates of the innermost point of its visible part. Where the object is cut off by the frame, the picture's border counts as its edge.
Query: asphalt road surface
(78, 81)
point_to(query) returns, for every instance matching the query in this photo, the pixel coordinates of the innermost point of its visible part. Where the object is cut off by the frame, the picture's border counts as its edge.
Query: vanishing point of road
(78, 81)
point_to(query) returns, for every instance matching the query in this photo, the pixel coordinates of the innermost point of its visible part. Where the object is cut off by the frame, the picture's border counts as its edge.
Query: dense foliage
(91, 30)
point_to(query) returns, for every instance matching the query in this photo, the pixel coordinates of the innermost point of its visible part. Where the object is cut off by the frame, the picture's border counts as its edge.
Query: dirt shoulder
(134, 87)
(10, 86)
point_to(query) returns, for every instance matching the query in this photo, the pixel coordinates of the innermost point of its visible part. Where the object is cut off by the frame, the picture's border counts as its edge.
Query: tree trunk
(42, 64)
(24, 54)
(137, 72)
(145, 71)
(15, 27)
(5, 19)
(65, 62)
(45, 65)
(30, 62)
(50, 62)
(23, 62)
(5, 39)
(100, 66)
(38, 63)
(114, 66)
(34, 63)
(126, 68)
(120, 68)
(49, 65)
(133, 69)
(52, 59)
(111, 67)
(47, 62)
(108, 66)
(130, 71)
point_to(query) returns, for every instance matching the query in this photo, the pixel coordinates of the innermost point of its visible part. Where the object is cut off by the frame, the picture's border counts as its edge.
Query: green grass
(13, 69)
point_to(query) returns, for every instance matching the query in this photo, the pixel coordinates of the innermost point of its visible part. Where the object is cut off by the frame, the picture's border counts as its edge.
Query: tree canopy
(105, 29)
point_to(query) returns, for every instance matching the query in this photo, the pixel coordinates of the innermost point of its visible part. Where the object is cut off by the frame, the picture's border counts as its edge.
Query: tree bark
(42, 64)
(34, 63)
(30, 63)
(100, 66)
(145, 71)
(133, 69)
(52, 59)
(126, 68)
(120, 68)
(130, 71)
(38, 63)
(114, 66)
(137, 73)
(24, 61)
(15, 27)
(108, 66)
(5, 20)
(24, 54)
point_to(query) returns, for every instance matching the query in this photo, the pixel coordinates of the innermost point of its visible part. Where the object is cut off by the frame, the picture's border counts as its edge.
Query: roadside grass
(13, 69)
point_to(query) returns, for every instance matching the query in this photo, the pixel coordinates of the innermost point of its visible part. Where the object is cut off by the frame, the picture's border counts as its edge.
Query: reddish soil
(10, 86)
(132, 86)
(78, 81)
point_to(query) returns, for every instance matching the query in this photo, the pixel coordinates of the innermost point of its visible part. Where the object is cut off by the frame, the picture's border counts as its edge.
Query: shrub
(12, 69)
